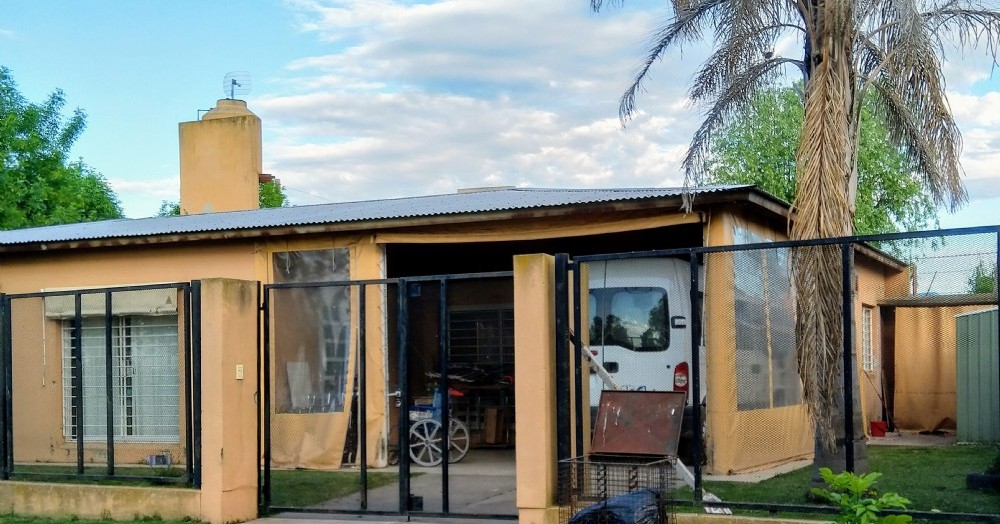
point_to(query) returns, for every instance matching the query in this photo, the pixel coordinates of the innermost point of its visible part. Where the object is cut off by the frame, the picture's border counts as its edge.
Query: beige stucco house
(222, 235)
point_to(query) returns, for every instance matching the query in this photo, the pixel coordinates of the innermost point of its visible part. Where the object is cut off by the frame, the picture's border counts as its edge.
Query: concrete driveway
(481, 484)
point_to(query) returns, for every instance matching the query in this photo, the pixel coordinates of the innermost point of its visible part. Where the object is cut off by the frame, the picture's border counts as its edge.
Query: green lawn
(933, 478)
(47, 473)
(301, 488)
(289, 488)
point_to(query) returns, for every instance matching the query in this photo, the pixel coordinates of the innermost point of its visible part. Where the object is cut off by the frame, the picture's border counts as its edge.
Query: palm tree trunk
(823, 209)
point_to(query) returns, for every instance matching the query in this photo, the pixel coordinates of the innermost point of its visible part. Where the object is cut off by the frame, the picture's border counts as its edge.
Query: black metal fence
(917, 327)
(435, 337)
(101, 383)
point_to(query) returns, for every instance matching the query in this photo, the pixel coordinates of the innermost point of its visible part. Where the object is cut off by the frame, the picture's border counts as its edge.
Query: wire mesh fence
(912, 316)
(616, 490)
(101, 384)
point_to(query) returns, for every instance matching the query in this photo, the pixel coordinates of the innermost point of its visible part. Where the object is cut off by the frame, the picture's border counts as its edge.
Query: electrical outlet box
(239, 371)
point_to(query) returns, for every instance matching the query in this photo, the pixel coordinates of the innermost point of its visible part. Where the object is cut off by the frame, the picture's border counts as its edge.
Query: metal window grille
(482, 338)
(146, 388)
(867, 348)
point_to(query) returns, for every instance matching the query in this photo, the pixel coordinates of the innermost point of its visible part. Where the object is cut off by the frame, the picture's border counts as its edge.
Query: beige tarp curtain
(747, 439)
(317, 440)
(925, 392)
(312, 440)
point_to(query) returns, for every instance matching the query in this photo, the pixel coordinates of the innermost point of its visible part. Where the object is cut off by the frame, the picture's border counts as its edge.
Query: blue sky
(371, 99)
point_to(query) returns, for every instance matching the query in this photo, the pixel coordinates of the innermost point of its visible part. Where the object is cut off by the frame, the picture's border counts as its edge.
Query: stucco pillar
(534, 389)
(229, 412)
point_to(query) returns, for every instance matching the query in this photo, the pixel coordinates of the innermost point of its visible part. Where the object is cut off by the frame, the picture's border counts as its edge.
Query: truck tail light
(681, 377)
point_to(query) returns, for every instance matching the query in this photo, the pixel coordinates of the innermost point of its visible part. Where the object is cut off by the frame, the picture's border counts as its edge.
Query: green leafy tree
(271, 195)
(169, 208)
(760, 149)
(885, 55)
(983, 279)
(39, 185)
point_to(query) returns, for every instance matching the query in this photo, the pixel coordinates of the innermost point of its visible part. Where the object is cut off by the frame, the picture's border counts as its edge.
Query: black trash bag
(638, 507)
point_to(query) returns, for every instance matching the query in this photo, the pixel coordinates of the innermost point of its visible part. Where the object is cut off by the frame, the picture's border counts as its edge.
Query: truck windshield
(631, 317)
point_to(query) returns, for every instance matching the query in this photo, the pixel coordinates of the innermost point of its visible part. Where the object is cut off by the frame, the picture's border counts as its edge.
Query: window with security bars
(145, 392)
(868, 361)
(483, 338)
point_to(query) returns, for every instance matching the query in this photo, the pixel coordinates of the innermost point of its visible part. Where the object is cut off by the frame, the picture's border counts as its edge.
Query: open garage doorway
(478, 323)
(440, 310)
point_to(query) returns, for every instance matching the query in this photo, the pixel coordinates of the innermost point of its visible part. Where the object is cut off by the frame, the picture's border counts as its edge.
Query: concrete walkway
(483, 483)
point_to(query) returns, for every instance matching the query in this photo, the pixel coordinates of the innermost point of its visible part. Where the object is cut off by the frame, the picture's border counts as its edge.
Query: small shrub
(994, 468)
(859, 502)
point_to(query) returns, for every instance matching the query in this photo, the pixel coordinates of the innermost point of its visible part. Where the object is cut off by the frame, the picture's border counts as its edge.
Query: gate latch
(396, 394)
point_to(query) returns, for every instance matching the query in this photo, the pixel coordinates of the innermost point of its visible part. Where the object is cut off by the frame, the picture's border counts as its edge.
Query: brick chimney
(221, 160)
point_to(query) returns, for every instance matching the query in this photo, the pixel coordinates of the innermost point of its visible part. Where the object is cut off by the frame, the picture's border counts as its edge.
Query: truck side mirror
(678, 322)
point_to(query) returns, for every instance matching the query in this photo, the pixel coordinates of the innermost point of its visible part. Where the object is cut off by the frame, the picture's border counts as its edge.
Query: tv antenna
(236, 83)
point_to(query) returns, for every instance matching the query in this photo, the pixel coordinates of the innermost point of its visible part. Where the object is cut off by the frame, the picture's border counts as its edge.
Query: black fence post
(848, 320)
(77, 377)
(402, 321)
(576, 341)
(257, 397)
(362, 370)
(188, 387)
(109, 388)
(563, 437)
(6, 437)
(196, 381)
(443, 389)
(695, 299)
(265, 399)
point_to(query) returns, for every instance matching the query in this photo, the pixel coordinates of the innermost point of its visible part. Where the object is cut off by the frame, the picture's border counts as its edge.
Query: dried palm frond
(823, 211)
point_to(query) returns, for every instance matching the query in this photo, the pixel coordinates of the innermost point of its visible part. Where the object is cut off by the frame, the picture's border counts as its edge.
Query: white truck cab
(639, 322)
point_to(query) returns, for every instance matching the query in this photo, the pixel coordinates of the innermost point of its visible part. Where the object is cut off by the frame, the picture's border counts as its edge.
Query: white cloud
(976, 110)
(160, 188)
(142, 198)
(7, 33)
(424, 98)
(419, 98)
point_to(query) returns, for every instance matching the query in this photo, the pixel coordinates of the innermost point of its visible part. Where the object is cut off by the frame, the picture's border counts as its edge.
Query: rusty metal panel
(638, 422)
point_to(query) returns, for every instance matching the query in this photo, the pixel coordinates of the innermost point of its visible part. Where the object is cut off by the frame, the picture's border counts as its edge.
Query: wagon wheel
(425, 442)
(458, 440)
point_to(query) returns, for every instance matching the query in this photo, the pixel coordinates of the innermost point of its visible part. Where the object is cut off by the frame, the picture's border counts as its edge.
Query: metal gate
(900, 297)
(619, 337)
(361, 377)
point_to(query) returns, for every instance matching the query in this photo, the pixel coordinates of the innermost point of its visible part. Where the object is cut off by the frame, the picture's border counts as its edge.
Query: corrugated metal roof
(398, 208)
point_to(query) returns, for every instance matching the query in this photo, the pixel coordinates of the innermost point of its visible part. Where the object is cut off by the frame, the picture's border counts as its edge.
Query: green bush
(859, 502)
(994, 468)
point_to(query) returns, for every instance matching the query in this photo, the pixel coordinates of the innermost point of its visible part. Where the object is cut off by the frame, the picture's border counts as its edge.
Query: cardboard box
(493, 429)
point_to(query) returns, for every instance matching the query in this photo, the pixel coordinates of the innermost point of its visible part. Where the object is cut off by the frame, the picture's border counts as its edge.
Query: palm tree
(888, 51)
